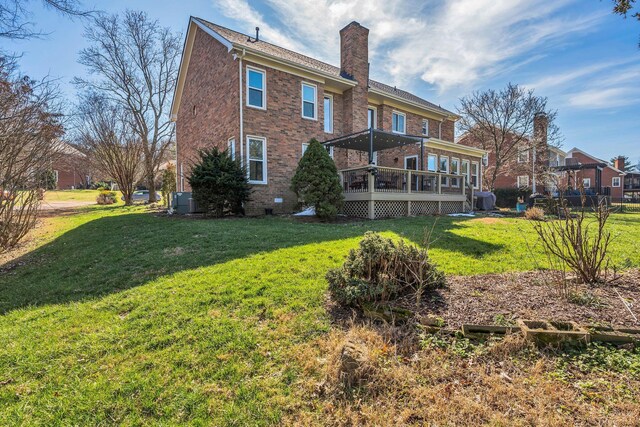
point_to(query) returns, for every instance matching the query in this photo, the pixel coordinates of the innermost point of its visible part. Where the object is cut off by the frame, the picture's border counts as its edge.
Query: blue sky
(576, 52)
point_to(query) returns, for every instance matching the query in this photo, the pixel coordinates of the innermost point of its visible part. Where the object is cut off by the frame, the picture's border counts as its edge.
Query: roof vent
(257, 39)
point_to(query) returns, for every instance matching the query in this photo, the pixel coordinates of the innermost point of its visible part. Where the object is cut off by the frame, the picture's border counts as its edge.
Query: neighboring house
(527, 164)
(71, 168)
(264, 103)
(597, 176)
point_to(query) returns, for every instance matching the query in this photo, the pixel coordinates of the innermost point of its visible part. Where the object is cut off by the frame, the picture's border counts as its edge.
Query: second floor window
(371, 118)
(615, 181)
(425, 127)
(328, 114)
(398, 122)
(256, 88)
(523, 155)
(309, 101)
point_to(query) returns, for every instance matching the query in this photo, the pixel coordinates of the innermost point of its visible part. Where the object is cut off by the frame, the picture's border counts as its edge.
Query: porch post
(371, 145)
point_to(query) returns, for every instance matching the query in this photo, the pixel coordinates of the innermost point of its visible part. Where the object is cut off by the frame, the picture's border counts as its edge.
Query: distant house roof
(243, 40)
(577, 150)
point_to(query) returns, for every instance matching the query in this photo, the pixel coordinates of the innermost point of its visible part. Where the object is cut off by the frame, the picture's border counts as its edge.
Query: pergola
(372, 140)
(576, 167)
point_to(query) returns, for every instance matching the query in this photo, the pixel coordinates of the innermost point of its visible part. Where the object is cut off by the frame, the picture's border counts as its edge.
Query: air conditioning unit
(183, 203)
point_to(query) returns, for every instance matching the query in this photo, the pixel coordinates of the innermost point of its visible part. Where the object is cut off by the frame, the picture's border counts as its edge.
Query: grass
(71, 195)
(121, 316)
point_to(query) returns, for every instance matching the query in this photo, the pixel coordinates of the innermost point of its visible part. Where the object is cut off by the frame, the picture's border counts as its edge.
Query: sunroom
(435, 177)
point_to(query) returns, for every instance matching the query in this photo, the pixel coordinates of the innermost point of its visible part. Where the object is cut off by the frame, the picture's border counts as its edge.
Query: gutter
(414, 104)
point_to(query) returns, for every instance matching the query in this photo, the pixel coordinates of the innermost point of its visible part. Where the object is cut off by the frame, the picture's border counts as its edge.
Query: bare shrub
(29, 129)
(534, 214)
(578, 241)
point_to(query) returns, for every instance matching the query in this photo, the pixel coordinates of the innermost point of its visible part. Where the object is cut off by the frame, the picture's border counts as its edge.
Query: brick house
(264, 103)
(71, 168)
(597, 176)
(529, 160)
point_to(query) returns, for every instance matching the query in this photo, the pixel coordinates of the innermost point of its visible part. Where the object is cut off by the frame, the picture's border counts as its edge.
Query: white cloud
(451, 45)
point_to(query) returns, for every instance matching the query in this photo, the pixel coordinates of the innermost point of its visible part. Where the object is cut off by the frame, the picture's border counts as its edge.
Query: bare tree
(29, 128)
(503, 123)
(15, 16)
(105, 134)
(136, 65)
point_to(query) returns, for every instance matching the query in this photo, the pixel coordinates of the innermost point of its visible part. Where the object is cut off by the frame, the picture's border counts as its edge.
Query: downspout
(241, 141)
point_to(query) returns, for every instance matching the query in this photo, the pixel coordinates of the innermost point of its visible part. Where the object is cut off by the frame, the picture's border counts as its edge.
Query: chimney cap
(353, 24)
(540, 114)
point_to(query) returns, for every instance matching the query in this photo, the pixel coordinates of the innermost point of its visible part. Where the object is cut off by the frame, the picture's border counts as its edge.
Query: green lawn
(71, 195)
(121, 316)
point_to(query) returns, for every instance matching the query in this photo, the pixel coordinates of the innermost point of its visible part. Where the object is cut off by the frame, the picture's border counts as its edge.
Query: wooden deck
(381, 192)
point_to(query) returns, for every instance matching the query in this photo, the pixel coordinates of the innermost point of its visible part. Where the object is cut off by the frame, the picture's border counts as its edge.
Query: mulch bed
(503, 298)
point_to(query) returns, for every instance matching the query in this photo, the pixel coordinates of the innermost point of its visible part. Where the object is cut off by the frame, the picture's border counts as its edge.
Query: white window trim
(375, 115)
(437, 163)
(331, 152)
(445, 179)
(457, 173)
(57, 175)
(411, 157)
(427, 122)
(264, 89)
(231, 146)
(315, 101)
(613, 179)
(585, 180)
(468, 175)
(526, 153)
(324, 112)
(305, 145)
(476, 186)
(404, 131)
(264, 160)
(526, 181)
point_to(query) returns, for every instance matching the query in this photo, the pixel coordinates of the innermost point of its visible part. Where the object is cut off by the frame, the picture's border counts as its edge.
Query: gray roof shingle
(243, 40)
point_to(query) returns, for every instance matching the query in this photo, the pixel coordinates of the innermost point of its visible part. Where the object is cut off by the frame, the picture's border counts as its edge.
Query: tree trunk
(151, 181)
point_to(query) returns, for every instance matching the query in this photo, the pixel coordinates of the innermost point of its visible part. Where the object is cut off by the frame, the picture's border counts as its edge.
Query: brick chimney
(618, 163)
(354, 64)
(540, 128)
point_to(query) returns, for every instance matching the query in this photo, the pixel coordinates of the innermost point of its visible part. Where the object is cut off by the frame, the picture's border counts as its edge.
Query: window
(586, 182)
(256, 88)
(372, 118)
(411, 162)
(523, 155)
(475, 175)
(57, 177)
(444, 168)
(231, 147)
(455, 170)
(432, 162)
(465, 172)
(256, 154)
(523, 181)
(309, 107)
(328, 114)
(398, 122)
(425, 127)
(615, 181)
(305, 146)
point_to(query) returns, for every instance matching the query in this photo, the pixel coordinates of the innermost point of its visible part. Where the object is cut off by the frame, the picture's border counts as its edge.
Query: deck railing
(380, 179)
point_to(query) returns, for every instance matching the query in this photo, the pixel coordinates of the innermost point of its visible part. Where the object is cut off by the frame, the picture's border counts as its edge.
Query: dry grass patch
(456, 382)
